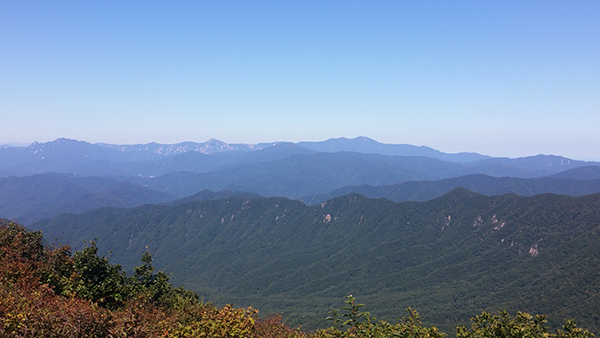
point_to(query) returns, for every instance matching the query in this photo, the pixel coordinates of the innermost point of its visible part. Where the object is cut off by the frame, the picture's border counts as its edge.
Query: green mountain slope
(301, 174)
(31, 198)
(482, 184)
(591, 172)
(304, 174)
(212, 195)
(448, 258)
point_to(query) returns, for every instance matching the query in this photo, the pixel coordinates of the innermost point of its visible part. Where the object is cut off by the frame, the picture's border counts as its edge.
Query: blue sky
(502, 78)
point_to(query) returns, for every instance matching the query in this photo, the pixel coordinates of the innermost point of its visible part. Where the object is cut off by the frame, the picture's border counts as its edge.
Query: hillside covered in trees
(47, 292)
(450, 257)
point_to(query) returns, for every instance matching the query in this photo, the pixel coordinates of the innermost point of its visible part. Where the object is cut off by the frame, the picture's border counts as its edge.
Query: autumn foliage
(47, 292)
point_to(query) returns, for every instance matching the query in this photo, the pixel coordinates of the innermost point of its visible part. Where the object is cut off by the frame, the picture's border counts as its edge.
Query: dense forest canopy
(449, 257)
(47, 292)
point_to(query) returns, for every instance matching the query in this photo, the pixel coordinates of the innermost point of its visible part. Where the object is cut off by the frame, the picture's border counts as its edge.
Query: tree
(523, 325)
(98, 280)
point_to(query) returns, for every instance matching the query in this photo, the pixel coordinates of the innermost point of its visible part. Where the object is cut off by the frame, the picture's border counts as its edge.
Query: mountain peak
(364, 139)
(214, 141)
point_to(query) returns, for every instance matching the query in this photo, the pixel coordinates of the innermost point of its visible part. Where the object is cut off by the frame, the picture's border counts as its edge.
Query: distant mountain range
(36, 197)
(366, 145)
(80, 150)
(31, 198)
(209, 147)
(574, 182)
(448, 258)
(310, 171)
(82, 158)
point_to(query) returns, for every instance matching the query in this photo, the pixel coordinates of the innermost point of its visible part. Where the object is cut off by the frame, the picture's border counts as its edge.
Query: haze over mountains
(290, 227)
(20, 160)
(31, 198)
(79, 157)
(483, 184)
(131, 175)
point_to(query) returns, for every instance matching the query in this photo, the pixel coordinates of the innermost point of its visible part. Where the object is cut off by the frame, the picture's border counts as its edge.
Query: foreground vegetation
(50, 292)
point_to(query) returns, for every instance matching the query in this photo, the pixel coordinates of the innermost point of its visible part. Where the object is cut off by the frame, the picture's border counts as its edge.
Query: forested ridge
(50, 292)
(450, 257)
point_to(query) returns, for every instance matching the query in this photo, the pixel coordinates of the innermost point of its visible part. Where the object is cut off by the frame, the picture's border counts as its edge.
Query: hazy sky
(502, 78)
